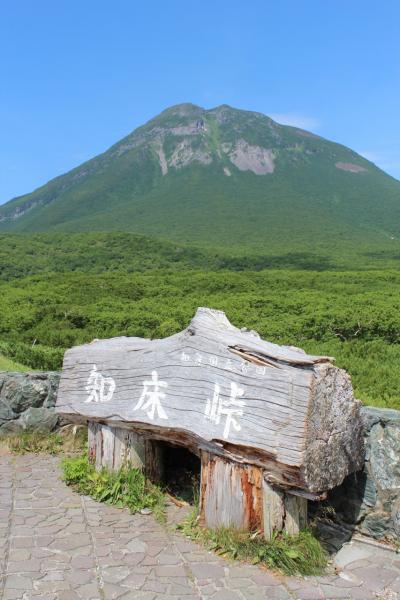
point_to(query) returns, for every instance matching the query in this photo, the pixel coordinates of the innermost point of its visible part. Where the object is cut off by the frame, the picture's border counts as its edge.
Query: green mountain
(224, 178)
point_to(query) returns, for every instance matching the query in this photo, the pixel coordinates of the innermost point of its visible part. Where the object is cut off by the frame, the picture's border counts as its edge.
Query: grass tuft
(68, 439)
(35, 442)
(127, 487)
(291, 555)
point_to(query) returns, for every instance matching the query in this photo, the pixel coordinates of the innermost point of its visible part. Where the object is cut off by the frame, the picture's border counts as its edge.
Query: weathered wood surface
(113, 447)
(295, 514)
(282, 511)
(220, 389)
(230, 494)
(273, 510)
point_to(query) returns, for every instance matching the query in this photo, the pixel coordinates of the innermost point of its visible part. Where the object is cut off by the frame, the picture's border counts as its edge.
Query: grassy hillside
(227, 179)
(22, 255)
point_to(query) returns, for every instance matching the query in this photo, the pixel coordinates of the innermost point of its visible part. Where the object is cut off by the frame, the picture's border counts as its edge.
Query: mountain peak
(193, 174)
(184, 109)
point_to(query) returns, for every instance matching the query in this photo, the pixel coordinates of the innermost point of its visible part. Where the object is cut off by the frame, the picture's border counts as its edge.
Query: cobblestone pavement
(56, 545)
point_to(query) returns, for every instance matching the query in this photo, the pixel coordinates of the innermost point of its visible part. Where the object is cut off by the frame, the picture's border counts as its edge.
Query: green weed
(124, 488)
(291, 555)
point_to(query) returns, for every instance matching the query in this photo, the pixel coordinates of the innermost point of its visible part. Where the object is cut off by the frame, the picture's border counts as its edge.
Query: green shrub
(37, 357)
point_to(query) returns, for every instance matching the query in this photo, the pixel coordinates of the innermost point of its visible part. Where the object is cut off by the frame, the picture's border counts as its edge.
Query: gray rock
(6, 413)
(396, 516)
(39, 419)
(370, 499)
(384, 442)
(370, 491)
(53, 379)
(370, 415)
(377, 524)
(11, 428)
(23, 390)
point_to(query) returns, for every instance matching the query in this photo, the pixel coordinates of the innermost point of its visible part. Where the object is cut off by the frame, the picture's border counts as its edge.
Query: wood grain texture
(273, 510)
(295, 514)
(112, 447)
(216, 388)
(231, 494)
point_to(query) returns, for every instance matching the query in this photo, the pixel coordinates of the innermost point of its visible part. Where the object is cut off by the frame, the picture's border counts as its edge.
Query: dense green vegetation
(292, 555)
(124, 488)
(57, 291)
(22, 255)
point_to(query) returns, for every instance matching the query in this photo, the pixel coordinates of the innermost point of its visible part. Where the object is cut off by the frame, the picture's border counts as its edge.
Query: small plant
(124, 488)
(67, 439)
(291, 555)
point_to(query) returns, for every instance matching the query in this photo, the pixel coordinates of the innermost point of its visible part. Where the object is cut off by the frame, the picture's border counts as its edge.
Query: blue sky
(77, 76)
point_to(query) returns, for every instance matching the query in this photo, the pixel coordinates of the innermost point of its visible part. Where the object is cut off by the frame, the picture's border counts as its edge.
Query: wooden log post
(273, 510)
(282, 512)
(230, 494)
(154, 466)
(237, 496)
(295, 514)
(113, 447)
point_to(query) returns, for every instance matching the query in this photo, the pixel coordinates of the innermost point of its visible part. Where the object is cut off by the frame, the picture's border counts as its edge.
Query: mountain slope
(222, 177)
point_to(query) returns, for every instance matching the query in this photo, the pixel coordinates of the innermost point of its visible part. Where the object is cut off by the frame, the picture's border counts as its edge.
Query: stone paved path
(56, 545)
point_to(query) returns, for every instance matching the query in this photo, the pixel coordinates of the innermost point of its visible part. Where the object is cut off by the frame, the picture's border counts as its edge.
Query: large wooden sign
(226, 391)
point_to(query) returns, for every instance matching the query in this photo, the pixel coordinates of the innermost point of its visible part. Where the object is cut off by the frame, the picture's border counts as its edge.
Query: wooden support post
(273, 510)
(113, 447)
(154, 461)
(295, 514)
(231, 494)
(282, 512)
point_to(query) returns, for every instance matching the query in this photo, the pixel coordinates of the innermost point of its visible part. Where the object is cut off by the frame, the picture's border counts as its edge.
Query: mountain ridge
(213, 177)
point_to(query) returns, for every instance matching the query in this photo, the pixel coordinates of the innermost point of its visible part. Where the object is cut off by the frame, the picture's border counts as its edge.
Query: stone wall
(27, 402)
(369, 501)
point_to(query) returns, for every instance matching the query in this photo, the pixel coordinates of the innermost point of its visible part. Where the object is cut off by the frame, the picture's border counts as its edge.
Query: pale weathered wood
(295, 514)
(112, 448)
(282, 511)
(231, 494)
(273, 510)
(93, 440)
(223, 390)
